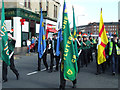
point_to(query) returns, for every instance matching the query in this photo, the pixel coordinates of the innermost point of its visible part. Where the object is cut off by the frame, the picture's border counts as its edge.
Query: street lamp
(78, 16)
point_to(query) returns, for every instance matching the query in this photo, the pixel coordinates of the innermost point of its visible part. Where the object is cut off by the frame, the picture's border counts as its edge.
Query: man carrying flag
(69, 67)
(8, 45)
(42, 52)
(103, 40)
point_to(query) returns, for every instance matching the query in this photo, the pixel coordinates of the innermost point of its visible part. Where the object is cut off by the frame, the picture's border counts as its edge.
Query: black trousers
(79, 62)
(119, 64)
(44, 61)
(12, 67)
(57, 62)
(63, 81)
(85, 56)
(100, 67)
(90, 56)
(107, 64)
(81, 59)
(52, 59)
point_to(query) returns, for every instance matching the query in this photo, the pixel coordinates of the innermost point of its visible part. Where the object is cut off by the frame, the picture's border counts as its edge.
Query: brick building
(93, 28)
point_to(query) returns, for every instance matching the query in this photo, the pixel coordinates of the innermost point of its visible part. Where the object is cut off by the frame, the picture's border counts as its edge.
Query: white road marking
(37, 71)
(32, 73)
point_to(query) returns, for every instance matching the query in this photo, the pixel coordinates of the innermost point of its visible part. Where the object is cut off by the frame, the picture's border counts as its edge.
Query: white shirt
(28, 42)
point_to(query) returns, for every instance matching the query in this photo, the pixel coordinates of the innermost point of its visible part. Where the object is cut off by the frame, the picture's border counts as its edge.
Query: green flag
(69, 57)
(3, 32)
(75, 34)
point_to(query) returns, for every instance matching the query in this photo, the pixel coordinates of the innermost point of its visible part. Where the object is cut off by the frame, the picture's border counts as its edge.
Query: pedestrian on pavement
(28, 45)
(114, 52)
(35, 46)
(11, 46)
(33, 43)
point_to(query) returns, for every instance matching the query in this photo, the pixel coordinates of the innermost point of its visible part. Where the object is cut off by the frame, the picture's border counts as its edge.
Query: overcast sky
(89, 10)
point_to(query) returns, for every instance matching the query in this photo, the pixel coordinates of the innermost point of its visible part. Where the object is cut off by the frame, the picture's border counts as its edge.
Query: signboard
(25, 27)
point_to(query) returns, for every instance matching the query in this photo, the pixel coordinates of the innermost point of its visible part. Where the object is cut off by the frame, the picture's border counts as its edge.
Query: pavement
(30, 78)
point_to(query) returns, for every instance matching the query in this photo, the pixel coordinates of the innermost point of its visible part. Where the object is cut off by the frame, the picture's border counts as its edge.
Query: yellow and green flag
(75, 34)
(69, 56)
(3, 33)
(103, 40)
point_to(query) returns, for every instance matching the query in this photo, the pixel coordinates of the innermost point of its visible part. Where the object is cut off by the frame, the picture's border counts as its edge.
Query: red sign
(50, 28)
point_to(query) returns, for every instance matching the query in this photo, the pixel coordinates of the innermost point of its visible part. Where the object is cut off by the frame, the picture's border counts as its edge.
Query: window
(55, 11)
(25, 4)
(40, 5)
(47, 5)
(29, 4)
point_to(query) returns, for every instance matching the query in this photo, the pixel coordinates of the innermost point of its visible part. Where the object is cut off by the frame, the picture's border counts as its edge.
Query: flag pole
(101, 9)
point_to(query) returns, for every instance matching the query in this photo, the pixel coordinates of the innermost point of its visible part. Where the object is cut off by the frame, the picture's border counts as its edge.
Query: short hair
(114, 35)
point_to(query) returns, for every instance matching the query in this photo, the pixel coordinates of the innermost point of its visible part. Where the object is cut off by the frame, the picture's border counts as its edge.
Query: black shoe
(103, 71)
(55, 70)
(38, 69)
(4, 81)
(50, 71)
(74, 86)
(17, 77)
(81, 66)
(113, 73)
(97, 73)
(61, 88)
(46, 69)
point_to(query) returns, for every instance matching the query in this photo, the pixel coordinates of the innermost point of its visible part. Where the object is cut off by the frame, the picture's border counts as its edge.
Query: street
(30, 78)
(0, 74)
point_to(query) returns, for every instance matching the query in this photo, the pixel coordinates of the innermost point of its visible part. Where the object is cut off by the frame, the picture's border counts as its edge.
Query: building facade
(30, 11)
(93, 28)
(119, 18)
